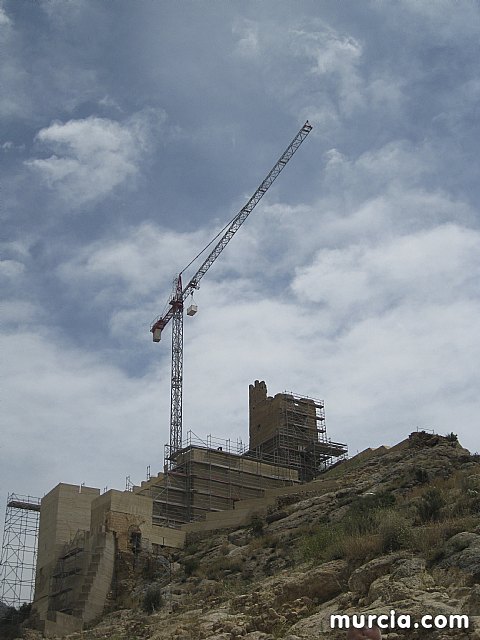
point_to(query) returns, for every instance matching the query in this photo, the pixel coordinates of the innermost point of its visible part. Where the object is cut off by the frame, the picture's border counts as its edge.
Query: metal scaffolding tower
(19, 550)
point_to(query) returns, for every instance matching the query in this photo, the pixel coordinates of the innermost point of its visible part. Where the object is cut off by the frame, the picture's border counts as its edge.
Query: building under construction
(205, 485)
(288, 445)
(290, 431)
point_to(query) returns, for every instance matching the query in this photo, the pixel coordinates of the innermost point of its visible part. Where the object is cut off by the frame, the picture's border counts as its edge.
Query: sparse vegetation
(257, 525)
(361, 517)
(431, 504)
(190, 566)
(152, 599)
(451, 437)
(322, 544)
(222, 566)
(368, 528)
(11, 620)
(395, 531)
(421, 475)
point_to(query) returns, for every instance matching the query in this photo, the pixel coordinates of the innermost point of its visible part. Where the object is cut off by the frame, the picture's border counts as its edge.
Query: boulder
(362, 578)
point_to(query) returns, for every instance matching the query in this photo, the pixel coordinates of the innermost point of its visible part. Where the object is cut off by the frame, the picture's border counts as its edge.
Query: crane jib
(236, 223)
(175, 311)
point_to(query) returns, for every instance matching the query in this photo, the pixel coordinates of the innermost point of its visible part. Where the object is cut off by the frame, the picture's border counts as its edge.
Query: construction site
(81, 533)
(64, 552)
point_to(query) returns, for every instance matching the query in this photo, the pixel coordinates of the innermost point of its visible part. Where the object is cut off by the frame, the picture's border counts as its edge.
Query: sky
(131, 132)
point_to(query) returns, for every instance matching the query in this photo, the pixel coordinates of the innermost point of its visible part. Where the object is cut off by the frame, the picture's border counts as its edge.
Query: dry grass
(360, 549)
(220, 566)
(429, 540)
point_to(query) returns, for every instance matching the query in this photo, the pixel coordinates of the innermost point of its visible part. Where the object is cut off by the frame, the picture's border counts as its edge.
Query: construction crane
(180, 292)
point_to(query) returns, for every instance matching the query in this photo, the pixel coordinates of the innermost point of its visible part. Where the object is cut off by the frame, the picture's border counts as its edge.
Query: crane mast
(180, 293)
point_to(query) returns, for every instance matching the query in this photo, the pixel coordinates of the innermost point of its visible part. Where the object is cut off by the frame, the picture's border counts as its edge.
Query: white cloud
(414, 269)
(330, 51)
(336, 57)
(141, 259)
(11, 268)
(5, 21)
(365, 294)
(94, 156)
(381, 329)
(64, 399)
(18, 313)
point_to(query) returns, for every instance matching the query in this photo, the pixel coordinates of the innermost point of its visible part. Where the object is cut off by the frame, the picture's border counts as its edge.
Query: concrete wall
(230, 461)
(96, 584)
(63, 511)
(123, 512)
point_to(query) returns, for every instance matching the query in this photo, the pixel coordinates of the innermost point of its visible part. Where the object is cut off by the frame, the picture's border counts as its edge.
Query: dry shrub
(152, 599)
(191, 566)
(360, 549)
(217, 568)
(395, 531)
(322, 544)
(431, 505)
(361, 517)
(430, 539)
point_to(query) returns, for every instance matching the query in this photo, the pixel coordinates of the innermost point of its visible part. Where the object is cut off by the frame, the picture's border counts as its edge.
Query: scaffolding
(211, 474)
(19, 550)
(69, 565)
(299, 440)
(288, 445)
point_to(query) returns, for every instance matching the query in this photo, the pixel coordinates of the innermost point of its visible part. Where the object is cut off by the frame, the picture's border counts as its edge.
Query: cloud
(443, 20)
(331, 52)
(414, 269)
(247, 44)
(15, 313)
(377, 314)
(9, 146)
(138, 259)
(94, 156)
(335, 62)
(74, 399)
(11, 268)
(5, 21)
(355, 280)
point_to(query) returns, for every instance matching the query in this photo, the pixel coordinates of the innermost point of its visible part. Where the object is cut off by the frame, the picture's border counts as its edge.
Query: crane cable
(209, 244)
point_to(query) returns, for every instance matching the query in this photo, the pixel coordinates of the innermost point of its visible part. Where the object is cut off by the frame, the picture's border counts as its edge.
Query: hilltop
(392, 528)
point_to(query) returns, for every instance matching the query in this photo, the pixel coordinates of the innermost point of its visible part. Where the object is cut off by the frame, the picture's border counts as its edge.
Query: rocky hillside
(391, 529)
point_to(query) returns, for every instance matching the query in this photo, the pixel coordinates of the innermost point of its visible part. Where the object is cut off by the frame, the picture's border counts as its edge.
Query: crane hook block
(157, 334)
(192, 310)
